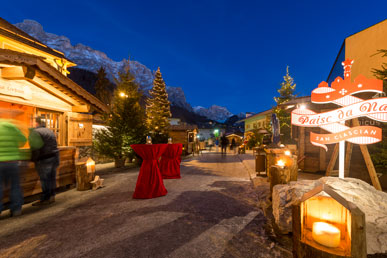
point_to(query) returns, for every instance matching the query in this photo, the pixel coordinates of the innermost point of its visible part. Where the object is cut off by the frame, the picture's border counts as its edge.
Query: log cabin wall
(29, 178)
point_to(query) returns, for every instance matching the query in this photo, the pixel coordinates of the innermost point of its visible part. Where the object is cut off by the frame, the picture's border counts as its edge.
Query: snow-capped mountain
(214, 112)
(91, 60)
(85, 57)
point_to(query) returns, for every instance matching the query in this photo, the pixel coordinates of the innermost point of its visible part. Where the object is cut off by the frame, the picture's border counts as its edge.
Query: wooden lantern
(327, 225)
(90, 164)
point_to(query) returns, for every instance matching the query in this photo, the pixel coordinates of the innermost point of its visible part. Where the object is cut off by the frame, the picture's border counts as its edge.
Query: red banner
(358, 135)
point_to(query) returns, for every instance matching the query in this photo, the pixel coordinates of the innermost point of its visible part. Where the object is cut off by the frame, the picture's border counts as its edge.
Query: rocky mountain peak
(214, 112)
(92, 60)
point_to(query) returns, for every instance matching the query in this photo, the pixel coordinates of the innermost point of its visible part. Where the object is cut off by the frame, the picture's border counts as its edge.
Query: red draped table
(170, 161)
(149, 182)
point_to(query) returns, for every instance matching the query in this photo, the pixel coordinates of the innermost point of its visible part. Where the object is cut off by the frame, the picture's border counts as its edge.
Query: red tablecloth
(149, 182)
(170, 161)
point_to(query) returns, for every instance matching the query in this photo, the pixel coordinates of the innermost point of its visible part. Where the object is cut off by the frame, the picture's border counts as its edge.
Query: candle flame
(288, 153)
(280, 163)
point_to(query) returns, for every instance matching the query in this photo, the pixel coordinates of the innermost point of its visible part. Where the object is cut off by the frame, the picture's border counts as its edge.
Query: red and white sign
(340, 93)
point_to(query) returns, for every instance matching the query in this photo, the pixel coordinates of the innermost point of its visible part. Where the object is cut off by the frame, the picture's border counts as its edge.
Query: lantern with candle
(90, 164)
(327, 225)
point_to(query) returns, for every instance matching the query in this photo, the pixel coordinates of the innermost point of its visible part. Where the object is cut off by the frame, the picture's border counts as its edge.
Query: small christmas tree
(158, 110)
(125, 123)
(286, 94)
(103, 87)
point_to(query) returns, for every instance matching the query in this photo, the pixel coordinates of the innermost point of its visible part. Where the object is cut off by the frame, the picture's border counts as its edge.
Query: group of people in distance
(43, 152)
(224, 142)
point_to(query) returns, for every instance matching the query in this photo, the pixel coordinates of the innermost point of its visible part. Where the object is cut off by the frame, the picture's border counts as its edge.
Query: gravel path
(212, 211)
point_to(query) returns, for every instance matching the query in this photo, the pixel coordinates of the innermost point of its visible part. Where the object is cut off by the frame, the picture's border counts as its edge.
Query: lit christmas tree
(124, 123)
(158, 110)
(286, 94)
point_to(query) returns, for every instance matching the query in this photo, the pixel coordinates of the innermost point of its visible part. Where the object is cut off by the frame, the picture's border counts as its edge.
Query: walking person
(11, 139)
(233, 145)
(45, 154)
(224, 143)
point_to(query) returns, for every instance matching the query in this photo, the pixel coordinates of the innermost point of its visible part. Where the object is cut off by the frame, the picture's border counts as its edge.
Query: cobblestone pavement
(212, 211)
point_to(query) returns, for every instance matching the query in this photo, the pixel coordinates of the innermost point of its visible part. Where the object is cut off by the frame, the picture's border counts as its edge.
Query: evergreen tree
(158, 110)
(125, 123)
(378, 151)
(103, 87)
(286, 94)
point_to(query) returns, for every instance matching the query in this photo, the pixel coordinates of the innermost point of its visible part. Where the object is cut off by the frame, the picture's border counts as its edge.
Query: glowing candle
(326, 234)
(288, 153)
(90, 164)
(280, 163)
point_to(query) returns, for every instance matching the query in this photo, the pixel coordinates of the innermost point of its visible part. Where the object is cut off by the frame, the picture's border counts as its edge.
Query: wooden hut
(33, 82)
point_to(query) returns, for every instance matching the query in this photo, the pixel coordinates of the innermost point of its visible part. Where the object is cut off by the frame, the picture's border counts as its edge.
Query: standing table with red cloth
(170, 161)
(149, 182)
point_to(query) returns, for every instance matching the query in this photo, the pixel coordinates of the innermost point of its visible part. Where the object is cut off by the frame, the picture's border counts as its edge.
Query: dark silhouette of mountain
(84, 78)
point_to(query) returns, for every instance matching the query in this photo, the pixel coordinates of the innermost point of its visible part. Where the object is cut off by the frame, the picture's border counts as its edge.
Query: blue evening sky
(228, 53)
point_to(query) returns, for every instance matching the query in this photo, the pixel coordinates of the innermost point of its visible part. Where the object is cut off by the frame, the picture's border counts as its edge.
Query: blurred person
(210, 143)
(45, 154)
(224, 143)
(233, 145)
(11, 139)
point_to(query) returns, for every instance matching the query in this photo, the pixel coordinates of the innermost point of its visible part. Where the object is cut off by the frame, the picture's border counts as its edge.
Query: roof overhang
(34, 69)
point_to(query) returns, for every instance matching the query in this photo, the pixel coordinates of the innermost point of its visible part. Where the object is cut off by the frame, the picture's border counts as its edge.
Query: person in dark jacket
(11, 139)
(45, 154)
(224, 143)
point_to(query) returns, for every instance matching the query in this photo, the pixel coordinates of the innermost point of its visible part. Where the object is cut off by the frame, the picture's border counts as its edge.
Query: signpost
(351, 107)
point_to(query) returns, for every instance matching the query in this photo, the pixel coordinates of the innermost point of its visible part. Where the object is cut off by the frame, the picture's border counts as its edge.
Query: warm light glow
(280, 163)
(122, 94)
(302, 106)
(326, 234)
(288, 153)
(90, 164)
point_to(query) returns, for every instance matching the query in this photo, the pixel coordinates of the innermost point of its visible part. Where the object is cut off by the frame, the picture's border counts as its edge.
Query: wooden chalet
(33, 82)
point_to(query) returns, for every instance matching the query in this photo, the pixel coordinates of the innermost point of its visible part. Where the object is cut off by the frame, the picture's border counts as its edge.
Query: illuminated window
(53, 122)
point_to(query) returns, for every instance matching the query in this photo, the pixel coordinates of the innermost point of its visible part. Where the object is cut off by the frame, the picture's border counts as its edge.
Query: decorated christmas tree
(158, 110)
(286, 94)
(125, 123)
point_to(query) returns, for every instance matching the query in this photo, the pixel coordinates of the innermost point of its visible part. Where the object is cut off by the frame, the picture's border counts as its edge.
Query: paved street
(212, 211)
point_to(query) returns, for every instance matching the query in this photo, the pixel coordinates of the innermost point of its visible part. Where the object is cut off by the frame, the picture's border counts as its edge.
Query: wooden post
(302, 148)
(332, 162)
(368, 161)
(348, 155)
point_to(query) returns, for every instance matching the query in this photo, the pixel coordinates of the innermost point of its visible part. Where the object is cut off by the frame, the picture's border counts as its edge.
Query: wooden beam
(348, 155)
(18, 72)
(368, 161)
(81, 108)
(332, 162)
(301, 147)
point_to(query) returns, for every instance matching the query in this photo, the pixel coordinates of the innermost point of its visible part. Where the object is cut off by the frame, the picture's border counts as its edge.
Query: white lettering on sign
(22, 91)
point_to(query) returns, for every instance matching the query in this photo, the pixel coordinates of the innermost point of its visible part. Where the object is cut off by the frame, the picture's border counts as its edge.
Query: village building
(258, 121)
(34, 82)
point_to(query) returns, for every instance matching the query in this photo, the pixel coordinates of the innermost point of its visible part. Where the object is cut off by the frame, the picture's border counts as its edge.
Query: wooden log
(82, 177)
(279, 175)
